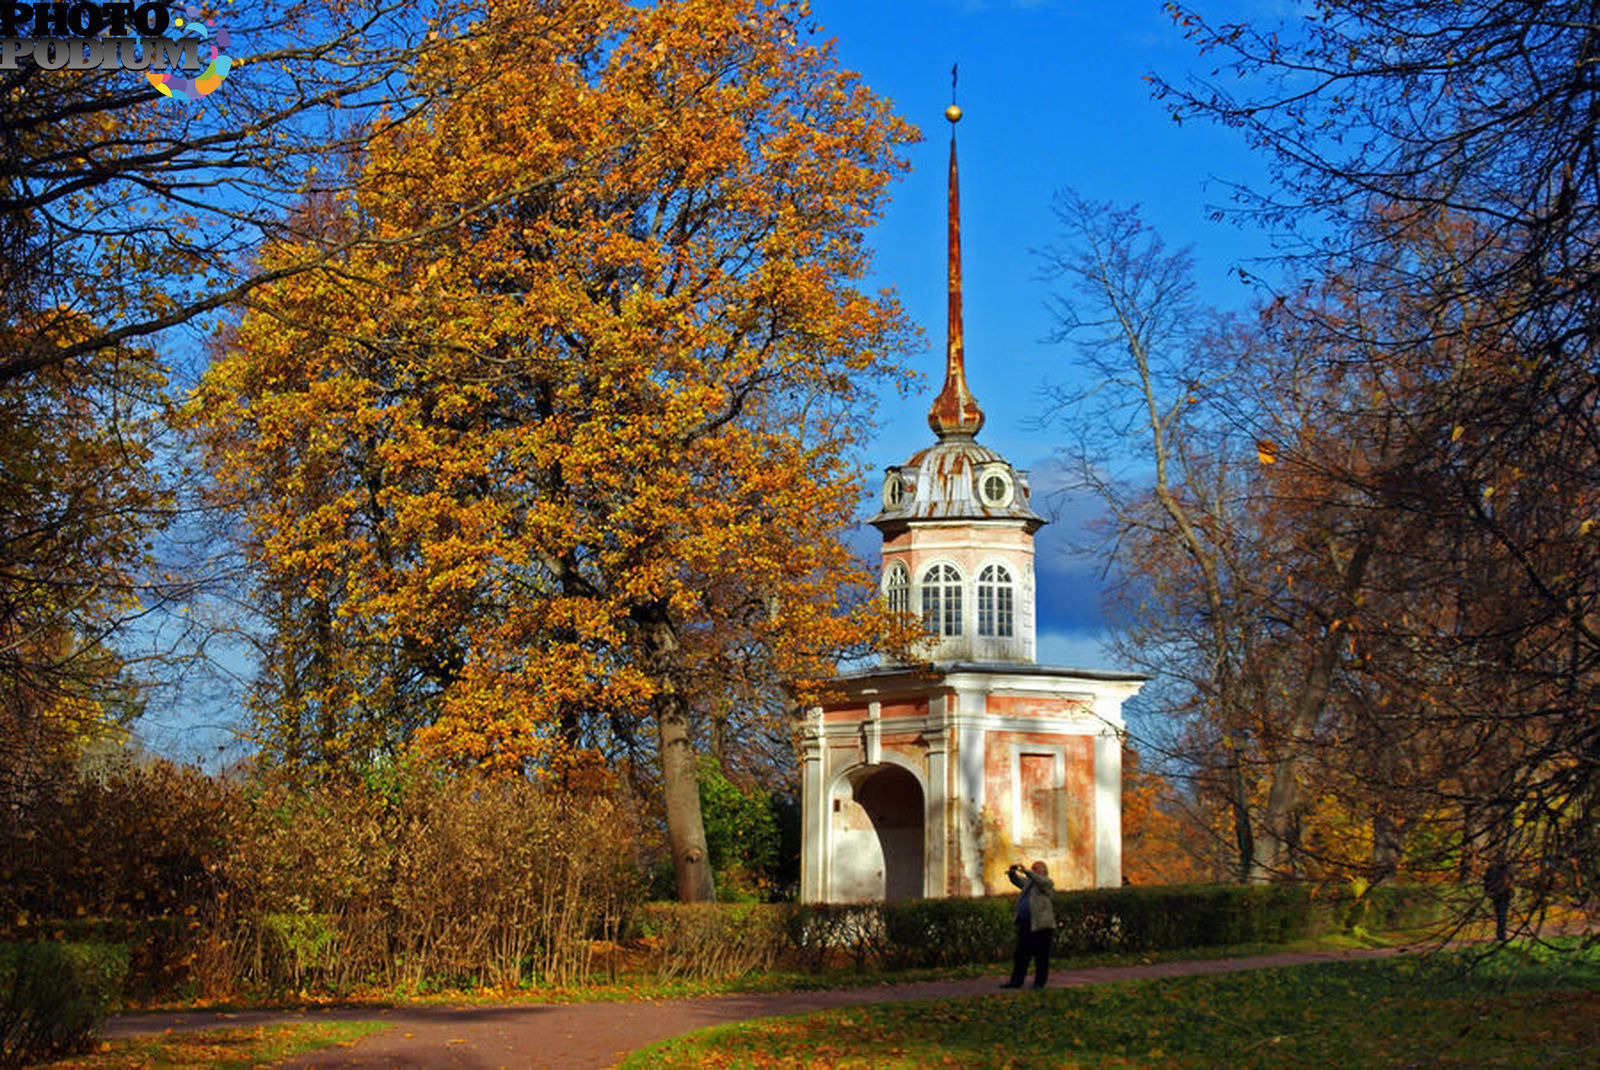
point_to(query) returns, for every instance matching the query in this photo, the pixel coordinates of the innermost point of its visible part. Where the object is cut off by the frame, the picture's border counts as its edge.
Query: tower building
(930, 780)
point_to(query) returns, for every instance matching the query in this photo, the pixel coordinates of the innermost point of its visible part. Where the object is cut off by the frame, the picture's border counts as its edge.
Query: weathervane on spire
(955, 411)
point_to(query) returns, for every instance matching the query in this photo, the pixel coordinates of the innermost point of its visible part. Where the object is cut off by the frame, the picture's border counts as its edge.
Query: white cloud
(1075, 651)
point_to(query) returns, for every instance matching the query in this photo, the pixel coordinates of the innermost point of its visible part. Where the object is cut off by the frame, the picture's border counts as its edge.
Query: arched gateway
(878, 832)
(924, 782)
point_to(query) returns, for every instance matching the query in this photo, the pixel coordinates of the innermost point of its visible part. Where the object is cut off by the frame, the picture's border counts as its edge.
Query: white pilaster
(965, 720)
(1108, 808)
(874, 733)
(814, 815)
(936, 835)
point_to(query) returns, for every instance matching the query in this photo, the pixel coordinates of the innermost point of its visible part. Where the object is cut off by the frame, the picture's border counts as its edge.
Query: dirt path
(583, 1036)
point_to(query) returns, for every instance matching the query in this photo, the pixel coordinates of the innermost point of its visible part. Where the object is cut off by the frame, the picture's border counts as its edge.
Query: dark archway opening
(893, 800)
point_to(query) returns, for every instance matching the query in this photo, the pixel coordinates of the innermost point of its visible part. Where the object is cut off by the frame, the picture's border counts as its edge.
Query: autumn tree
(1484, 109)
(538, 483)
(127, 219)
(78, 504)
(1385, 119)
(1163, 841)
(1245, 529)
(1164, 474)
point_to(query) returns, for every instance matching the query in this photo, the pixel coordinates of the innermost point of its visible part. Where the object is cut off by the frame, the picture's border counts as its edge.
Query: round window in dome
(894, 490)
(994, 486)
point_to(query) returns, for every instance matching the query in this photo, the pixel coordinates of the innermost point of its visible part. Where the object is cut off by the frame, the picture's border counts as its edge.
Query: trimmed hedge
(159, 950)
(946, 932)
(53, 997)
(1167, 918)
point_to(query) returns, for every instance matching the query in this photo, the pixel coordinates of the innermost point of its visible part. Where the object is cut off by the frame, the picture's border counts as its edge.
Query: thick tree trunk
(680, 778)
(1386, 844)
(1388, 829)
(1283, 796)
(680, 764)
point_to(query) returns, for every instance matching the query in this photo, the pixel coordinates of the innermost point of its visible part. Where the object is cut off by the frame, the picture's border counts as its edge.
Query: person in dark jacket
(1499, 883)
(1035, 919)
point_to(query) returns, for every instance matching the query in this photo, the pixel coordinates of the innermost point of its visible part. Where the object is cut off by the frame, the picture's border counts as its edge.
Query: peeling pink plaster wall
(1041, 706)
(1061, 831)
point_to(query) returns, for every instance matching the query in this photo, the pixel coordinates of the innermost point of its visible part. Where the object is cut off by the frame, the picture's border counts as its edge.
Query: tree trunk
(680, 778)
(1386, 841)
(1284, 793)
(1283, 796)
(1243, 837)
(680, 765)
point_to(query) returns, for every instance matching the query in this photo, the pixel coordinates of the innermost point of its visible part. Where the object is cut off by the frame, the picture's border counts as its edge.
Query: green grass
(221, 1049)
(1518, 1009)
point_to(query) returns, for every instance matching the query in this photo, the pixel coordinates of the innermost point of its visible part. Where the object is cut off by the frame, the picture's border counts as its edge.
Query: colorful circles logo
(212, 37)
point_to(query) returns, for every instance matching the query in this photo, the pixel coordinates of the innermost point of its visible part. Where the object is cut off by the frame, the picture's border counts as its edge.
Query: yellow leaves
(1266, 451)
(594, 390)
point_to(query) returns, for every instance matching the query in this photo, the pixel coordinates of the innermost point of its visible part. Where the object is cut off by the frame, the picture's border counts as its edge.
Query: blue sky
(1054, 95)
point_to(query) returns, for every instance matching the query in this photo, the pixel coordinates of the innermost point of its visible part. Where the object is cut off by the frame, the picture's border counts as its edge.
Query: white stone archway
(877, 828)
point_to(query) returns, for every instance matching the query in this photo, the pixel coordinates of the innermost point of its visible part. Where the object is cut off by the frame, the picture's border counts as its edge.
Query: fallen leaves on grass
(1515, 1011)
(219, 1049)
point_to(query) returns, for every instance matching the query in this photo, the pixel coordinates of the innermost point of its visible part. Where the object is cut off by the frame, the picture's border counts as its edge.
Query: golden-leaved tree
(522, 488)
(126, 216)
(79, 504)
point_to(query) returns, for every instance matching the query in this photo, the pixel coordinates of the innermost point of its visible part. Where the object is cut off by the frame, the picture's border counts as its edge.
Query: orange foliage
(1160, 844)
(529, 483)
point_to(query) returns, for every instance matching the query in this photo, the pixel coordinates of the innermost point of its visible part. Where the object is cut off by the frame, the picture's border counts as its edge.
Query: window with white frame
(897, 589)
(941, 600)
(996, 603)
(994, 486)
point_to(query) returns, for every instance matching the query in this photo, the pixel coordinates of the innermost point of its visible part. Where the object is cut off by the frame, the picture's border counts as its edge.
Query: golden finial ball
(953, 113)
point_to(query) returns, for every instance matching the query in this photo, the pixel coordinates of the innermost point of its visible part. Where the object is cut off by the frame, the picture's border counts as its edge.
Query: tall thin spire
(955, 411)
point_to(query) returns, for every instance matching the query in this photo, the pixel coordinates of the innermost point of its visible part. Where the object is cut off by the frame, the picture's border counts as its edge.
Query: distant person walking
(1499, 884)
(1036, 924)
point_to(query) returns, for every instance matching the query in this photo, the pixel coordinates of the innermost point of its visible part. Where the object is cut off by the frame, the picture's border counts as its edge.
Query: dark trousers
(1502, 908)
(1033, 945)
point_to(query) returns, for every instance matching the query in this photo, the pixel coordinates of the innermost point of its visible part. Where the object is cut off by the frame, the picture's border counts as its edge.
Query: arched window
(897, 589)
(996, 603)
(941, 600)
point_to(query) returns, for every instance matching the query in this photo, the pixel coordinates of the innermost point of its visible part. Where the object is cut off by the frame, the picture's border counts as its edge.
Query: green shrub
(819, 933)
(1164, 918)
(1399, 907)
(741, 830)
(945, 932)
(704, 941)
(53, 997)
(159, 949)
